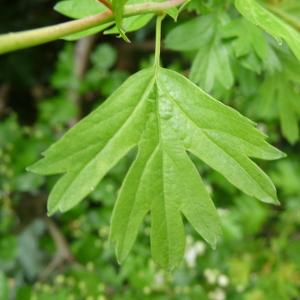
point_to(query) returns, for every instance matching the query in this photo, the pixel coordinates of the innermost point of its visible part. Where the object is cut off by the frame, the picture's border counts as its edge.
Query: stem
(106, 3)
(14, 41)
(158, 40)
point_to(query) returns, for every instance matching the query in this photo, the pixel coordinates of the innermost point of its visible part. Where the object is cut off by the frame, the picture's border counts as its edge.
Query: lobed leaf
(166, 116)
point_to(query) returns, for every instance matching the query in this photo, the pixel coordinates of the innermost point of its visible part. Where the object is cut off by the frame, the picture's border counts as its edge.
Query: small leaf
(166, 116)
(258, 15)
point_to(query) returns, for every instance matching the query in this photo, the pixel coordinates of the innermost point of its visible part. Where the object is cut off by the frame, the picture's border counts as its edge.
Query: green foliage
(165, 115)
(179, 148)
(212, 61)
(248, 43)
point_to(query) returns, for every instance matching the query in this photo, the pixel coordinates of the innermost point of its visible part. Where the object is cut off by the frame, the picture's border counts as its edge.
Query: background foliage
(45, 90)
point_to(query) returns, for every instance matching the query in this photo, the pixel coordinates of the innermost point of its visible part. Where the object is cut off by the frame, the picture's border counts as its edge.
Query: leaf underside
(166, 116)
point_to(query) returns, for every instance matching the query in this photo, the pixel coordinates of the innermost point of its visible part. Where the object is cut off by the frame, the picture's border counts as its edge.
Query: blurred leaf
(249, 43)
(258, 15)
(104, 57)
(280, 96)
(212, 61)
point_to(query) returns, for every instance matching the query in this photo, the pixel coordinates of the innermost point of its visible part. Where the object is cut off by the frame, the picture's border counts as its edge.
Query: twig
(20, 40)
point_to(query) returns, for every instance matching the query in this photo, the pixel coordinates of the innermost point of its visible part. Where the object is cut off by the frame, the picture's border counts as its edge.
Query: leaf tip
(120, 257)
(271, 200)
(35, 168)
(51, 210)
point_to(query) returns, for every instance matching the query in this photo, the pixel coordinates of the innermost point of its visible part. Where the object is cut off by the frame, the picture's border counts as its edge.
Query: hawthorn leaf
(212, 60)
(260, 16)
(166, 117)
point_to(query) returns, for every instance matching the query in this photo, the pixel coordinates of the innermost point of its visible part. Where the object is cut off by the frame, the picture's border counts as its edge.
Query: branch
(20, 40)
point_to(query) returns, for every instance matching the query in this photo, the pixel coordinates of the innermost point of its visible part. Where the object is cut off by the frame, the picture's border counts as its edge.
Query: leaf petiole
(159, 20)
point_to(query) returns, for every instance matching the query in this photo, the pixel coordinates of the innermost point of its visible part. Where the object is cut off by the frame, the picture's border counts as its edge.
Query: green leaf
(166, 116)
(212, 61)
(77, 9)
(258, 15)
